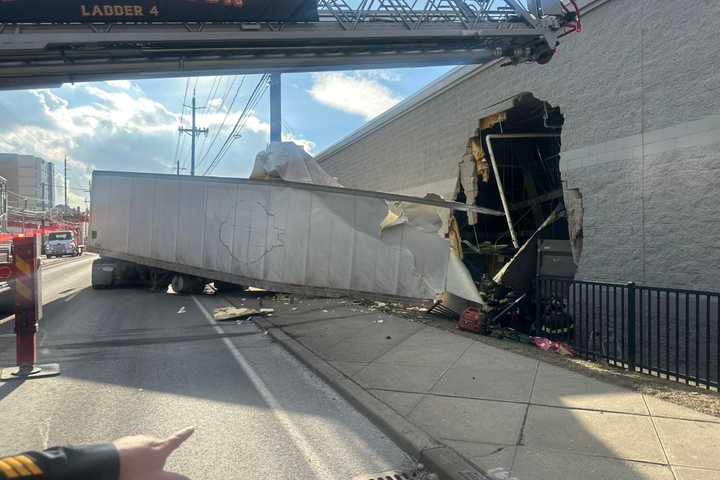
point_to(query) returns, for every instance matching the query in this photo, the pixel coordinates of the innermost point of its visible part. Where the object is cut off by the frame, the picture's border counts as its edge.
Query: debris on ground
(553, 346)
(707, 402)
(410, 311)
(233, 313)
(182, 310)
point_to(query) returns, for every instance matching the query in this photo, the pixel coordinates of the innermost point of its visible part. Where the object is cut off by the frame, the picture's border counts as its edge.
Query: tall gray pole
(192, 146)
(275, 107)
(193, 132)
(66, 204)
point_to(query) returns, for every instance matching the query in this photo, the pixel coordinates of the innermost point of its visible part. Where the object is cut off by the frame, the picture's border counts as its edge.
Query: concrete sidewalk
(512, 416)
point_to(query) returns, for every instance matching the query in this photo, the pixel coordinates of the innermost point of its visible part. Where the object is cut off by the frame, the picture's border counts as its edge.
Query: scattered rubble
(409, 311)
(234, 313)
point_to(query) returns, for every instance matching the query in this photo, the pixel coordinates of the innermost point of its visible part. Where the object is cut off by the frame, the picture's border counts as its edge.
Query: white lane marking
(72, 295)
(314, 461)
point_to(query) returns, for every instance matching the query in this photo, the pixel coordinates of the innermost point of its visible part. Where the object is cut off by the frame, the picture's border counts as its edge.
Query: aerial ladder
(370, 34)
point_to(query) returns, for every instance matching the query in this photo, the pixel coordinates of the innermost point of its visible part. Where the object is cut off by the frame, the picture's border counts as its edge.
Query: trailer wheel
(187, 284)
(227, 287)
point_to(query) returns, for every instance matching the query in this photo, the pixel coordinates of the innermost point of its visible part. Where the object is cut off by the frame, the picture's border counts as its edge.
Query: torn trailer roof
(288, 228)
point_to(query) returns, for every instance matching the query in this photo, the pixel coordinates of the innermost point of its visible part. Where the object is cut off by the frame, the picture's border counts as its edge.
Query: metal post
(192, 139)
(66, 203)
(631, 324)
(275, 107)
(538, 305)
(28, 311)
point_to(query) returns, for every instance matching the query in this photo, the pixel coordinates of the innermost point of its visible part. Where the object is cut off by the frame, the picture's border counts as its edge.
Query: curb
(438, 458)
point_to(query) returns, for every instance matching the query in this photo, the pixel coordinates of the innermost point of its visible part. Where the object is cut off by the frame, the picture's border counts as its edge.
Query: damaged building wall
(640, 143)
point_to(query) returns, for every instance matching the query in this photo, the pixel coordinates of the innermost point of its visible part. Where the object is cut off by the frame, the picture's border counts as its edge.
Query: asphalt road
(134, 361)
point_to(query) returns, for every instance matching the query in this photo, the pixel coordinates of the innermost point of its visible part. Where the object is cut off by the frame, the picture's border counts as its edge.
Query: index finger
(177, 439)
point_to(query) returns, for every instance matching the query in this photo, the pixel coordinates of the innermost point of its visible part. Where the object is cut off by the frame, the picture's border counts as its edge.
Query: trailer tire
(187, 284)
(227, 287)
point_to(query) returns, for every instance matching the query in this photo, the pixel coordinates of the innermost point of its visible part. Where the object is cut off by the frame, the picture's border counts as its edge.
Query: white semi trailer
(273, 234)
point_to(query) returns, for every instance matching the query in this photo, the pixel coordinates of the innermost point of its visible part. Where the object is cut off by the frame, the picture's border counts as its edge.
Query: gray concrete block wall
(640, 92)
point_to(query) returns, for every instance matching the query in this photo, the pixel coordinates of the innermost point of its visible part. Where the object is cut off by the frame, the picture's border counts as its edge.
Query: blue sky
(132, 125)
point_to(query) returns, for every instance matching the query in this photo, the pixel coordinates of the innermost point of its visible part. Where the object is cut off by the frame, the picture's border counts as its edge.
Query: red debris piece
(553, 346)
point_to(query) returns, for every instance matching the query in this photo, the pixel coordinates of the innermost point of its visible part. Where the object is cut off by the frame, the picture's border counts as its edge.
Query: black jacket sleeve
(98, 461)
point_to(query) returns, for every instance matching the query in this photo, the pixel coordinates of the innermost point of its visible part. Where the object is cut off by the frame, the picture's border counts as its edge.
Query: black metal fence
(667, 332)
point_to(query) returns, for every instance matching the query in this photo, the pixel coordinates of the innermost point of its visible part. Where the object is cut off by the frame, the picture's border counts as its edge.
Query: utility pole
(193, 132)
(276, 107)
(44, 207)
(66, 204)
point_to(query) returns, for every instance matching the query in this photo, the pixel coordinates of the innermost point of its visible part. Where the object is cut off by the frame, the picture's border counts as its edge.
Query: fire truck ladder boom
(377, 33)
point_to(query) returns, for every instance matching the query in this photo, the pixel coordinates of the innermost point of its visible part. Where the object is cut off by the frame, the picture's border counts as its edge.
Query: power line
(180, 138)
(223, 101)
(251, 102)
(255, 97)
(227, 114)
(213, 89)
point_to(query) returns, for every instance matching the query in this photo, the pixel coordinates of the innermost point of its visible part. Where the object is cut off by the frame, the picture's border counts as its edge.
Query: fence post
(631, 324)
(538, 305)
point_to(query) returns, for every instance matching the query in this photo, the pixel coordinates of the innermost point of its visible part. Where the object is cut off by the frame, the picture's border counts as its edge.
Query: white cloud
(31, 140)
(112, 112)
(215, 119)
(353, 93)
(122, 84)
(308, 145)
(381, 74)
(254, 124)
(215, 102)
(89, 131)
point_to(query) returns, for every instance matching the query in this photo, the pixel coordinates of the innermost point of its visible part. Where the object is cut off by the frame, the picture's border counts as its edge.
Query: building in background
(30, 181)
